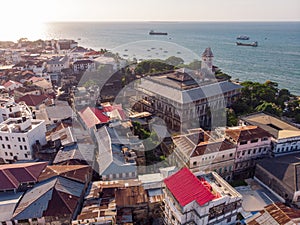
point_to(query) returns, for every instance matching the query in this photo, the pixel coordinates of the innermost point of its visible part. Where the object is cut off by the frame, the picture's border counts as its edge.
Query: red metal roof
(92, 116)
(12, 175)
(186, 187)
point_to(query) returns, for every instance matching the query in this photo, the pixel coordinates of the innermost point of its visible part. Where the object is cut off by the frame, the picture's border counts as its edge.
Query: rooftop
(186, 187)
(276, 127)
(246, 133)
(285, 168)
(164, 87)
(13, 175)
(275, 213)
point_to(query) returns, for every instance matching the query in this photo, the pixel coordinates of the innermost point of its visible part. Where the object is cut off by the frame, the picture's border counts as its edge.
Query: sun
(21, 19)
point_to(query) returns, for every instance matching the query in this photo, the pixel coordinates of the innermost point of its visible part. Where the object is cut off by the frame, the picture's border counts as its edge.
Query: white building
(84, 65)
(17, 135)
(12, 85)
(203, 199)
(10, 109)
(57, 63)
(285, 136)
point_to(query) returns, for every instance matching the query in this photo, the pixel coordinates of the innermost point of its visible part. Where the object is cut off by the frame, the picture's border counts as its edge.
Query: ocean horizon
(276, 58)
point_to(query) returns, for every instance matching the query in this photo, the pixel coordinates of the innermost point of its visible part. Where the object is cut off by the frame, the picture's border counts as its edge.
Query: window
(230, 155)
(8, 146)
(243, 153)
(0, 138)
(194, 163)
(6, 138)
(249, 151)
(25, 147)
(21, 147)
(264, 139)
(254, 150)
(26, 156)
(254, 141)
(223, 156)
(23, 139)
(3, 146)
(11, 154)
(259, 150)
(243, 142)
(6, 154)
(19, 139)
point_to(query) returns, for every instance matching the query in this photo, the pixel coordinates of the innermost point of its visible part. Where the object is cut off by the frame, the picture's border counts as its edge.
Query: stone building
(184, 98)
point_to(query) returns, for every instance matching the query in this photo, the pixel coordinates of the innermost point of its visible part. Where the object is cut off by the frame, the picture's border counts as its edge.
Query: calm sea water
(276, 58)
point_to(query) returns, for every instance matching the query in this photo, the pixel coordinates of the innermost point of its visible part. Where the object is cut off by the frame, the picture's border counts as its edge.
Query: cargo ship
(152, 32)
(253, 44)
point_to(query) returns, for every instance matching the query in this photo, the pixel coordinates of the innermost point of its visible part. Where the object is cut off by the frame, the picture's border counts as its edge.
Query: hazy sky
(20, 11)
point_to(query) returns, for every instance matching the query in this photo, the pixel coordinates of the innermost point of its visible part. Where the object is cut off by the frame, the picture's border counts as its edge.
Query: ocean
(276, 58)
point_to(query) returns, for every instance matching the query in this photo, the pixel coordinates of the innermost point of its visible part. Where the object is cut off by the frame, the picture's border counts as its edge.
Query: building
(57, 63)
(54, 200)
(285, 136)
(183, 98)
(34, 101)
(26, 90)
(12, 85)
(10, 109)
(281, 176)
(114, 202)
(60, 110)
(277, 214)
(200, 151)
(252, 143)
(17, 135)
(114, 162)
(203, 199)
(83, 65)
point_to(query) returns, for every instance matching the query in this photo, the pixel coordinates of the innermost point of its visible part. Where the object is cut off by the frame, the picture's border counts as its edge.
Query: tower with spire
(207, 61)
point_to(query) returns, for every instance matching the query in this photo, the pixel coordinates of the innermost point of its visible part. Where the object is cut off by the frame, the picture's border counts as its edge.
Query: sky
(37, 11)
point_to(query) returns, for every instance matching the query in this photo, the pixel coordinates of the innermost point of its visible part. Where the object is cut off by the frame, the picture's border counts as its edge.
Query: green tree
(269, 108)
(175, 61)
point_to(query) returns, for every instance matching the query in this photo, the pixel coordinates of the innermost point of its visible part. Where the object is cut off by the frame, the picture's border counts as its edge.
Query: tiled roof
(246, 133)
(10, 82)
(186, 187)
(12, 175)
(33, 100)
(207, 148)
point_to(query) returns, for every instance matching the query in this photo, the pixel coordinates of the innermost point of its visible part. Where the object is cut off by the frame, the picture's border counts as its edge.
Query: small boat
(242, 37)
(152, 32)
(253, 44)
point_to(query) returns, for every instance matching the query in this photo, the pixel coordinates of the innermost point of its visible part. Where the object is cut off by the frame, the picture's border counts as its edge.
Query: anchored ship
(152, 32)
(253, 44)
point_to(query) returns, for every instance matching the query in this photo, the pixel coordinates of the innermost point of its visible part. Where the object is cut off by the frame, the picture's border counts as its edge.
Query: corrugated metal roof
(186, 96)
(52, 197)
(186, 187)
(110, 158)
(8, 202)
(12, 175)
